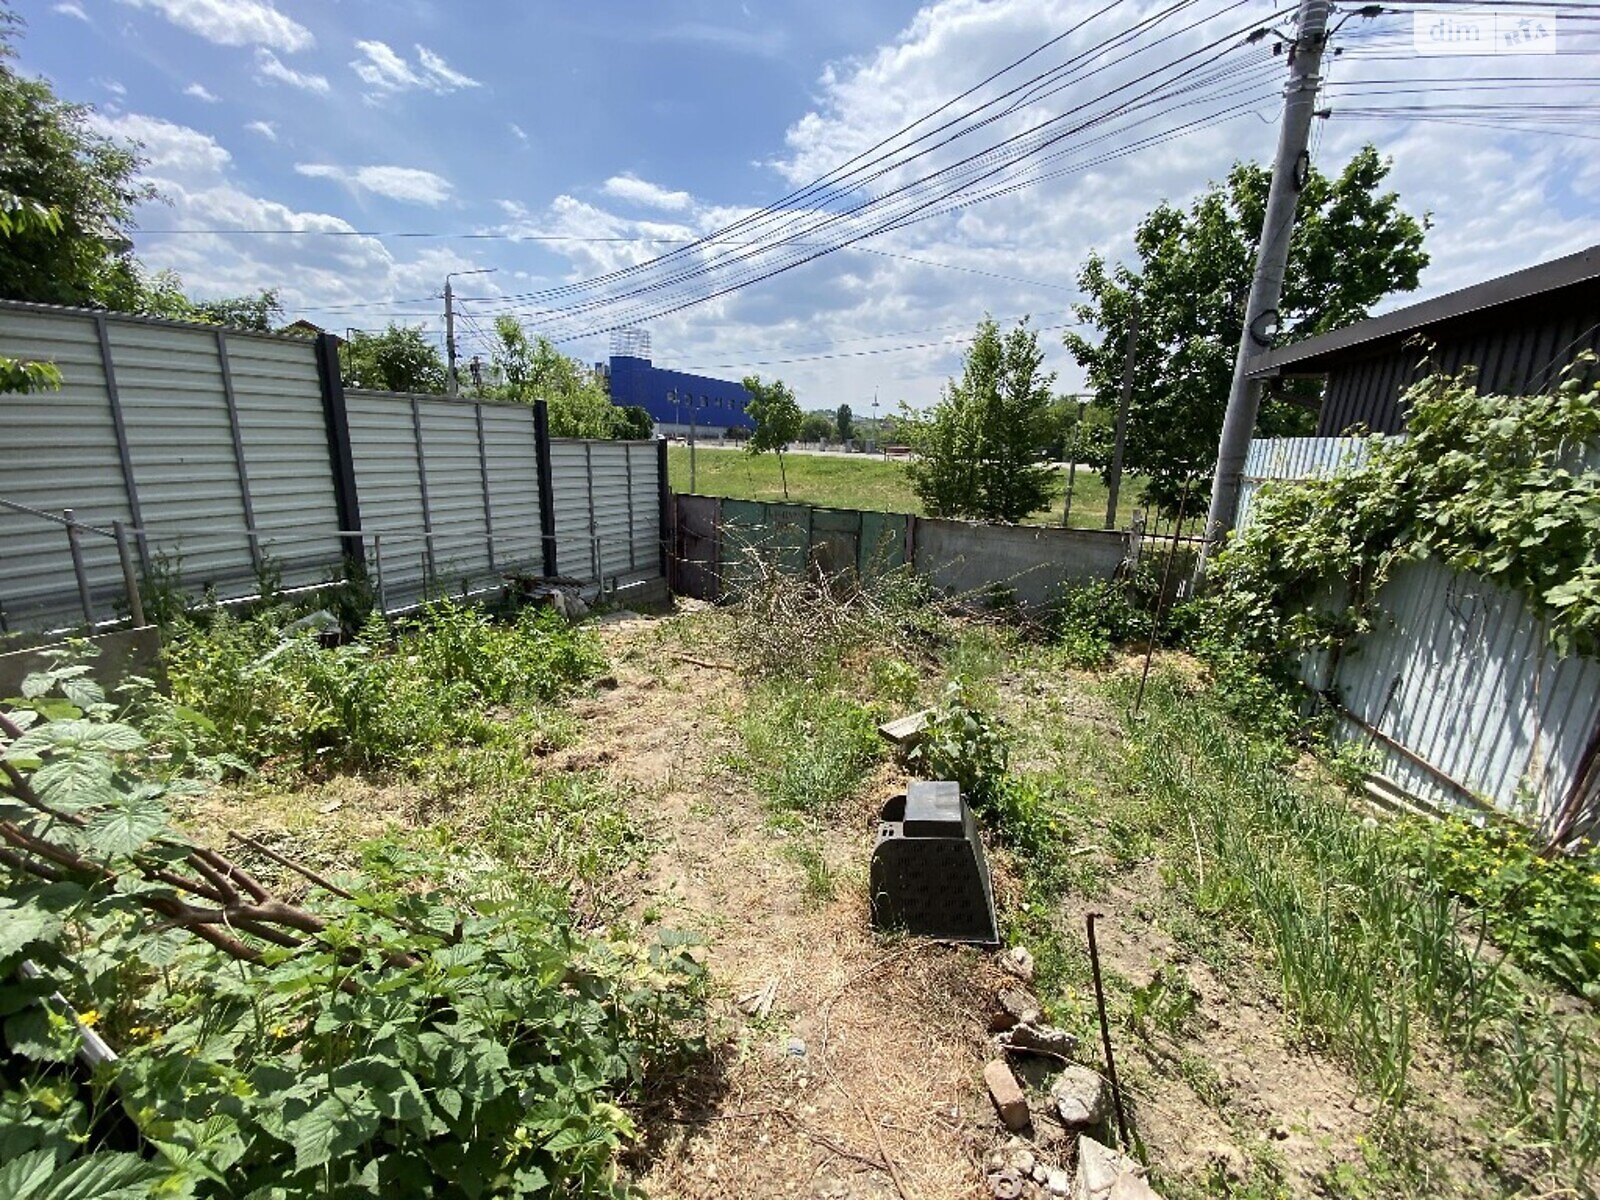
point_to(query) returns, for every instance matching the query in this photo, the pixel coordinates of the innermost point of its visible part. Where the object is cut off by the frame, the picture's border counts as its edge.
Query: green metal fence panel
(883, 542)
(759, 536)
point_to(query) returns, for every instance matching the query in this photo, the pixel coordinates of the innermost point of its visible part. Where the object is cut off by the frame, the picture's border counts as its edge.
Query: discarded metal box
(929, 877)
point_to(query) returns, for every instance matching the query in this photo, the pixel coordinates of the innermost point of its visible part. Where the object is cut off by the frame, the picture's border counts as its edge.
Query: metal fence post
(340, 457)
(130, 577)
(547, 490)
(377, 567)
(664, 499)
(76, 548)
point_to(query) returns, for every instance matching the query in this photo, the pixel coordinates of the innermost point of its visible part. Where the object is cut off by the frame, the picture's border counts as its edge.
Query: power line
(1033, 143)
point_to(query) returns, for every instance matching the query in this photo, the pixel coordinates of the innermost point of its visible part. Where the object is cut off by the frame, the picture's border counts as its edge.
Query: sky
(549, 143)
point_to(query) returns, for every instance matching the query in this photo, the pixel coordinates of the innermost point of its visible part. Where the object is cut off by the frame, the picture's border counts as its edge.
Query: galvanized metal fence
(229, 458)
(1456, 687)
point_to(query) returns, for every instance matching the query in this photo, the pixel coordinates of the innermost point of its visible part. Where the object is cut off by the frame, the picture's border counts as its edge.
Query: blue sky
(345, 121)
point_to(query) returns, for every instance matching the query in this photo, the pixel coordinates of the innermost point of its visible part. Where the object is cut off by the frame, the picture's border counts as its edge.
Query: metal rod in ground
(377, 567)
(1161, 599)
(1105, 1034)
(82, 576)
(130, 577)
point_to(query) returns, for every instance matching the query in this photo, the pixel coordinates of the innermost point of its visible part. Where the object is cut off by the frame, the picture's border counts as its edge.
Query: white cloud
(407, 184)
(518, 133)
(75, 11)
(269, 66)
(170, 151)
(200, 92)
(233, 22)
(631, 188)
(266, 129)
(381, 69)
(114, 87)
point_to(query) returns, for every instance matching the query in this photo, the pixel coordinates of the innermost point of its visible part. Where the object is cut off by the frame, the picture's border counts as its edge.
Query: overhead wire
(980, 161)
(983, 169)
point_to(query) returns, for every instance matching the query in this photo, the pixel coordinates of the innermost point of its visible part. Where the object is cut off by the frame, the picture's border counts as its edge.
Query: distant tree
(1353, 244)
(816, 427)
(844, 421)
(578, 403)
(261, 311)
(399, 359)
(631, 423)
(51, 159)
(980, 452)
(778, 418)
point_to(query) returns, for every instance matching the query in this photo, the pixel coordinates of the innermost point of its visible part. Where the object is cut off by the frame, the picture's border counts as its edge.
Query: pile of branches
(789, 622)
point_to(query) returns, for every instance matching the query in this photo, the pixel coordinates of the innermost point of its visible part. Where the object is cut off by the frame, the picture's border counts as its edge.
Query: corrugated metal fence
(1456, 686)
(228, 455)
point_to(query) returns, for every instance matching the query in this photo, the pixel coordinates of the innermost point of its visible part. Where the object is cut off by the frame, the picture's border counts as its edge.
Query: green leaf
(126, 827)
(76, 734)
(83, 692)
(74, 782)
(105, 1175)
(19, 927)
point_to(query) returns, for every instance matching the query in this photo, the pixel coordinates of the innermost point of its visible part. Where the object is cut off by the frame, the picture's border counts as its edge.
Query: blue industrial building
(676, 400)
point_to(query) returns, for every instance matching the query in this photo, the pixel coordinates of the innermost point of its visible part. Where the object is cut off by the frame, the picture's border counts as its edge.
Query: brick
(1007, 1095)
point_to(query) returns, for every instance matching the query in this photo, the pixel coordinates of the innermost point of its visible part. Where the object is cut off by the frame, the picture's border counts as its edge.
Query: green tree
(778, 418)
(816, 427)
(21, 375)
(399, 359)
(261, 311)
(578, 403)
(631, 423)
(50, 158)
(981, 452)
(844, 422)
(1353, 244)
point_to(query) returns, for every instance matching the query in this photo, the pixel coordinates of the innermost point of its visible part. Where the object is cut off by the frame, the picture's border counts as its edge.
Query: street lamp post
(877, 429)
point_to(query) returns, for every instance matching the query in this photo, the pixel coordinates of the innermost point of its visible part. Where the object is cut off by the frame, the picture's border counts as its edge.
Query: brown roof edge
(1530, 282)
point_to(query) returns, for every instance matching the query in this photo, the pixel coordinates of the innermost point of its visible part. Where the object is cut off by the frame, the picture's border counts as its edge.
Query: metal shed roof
(1554, 283)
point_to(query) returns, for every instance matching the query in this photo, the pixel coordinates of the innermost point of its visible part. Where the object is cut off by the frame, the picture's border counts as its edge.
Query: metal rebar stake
(1105, 1033)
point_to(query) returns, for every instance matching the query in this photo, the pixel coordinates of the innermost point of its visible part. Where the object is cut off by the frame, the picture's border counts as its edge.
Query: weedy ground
(1299, 1008)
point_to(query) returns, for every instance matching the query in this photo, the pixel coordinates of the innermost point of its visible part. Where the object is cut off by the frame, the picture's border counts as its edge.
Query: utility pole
(693, 423)
(1114, 479)
(1071, 449)
(452, 385)
(450, 339)
(1289, 172)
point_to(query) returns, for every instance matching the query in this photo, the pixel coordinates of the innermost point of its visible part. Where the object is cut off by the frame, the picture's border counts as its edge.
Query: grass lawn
(861, 481)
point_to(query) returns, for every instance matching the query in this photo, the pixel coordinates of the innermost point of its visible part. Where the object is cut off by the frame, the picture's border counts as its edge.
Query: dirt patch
(865, 1042)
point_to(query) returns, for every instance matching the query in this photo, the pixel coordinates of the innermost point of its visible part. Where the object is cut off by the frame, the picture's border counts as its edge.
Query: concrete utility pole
(449, 339)
(1289, 172)
(452, 385)
(1114, 477)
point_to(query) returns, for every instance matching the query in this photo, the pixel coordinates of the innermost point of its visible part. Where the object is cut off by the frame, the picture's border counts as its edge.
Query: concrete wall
(1033, 562)
(123, 653)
